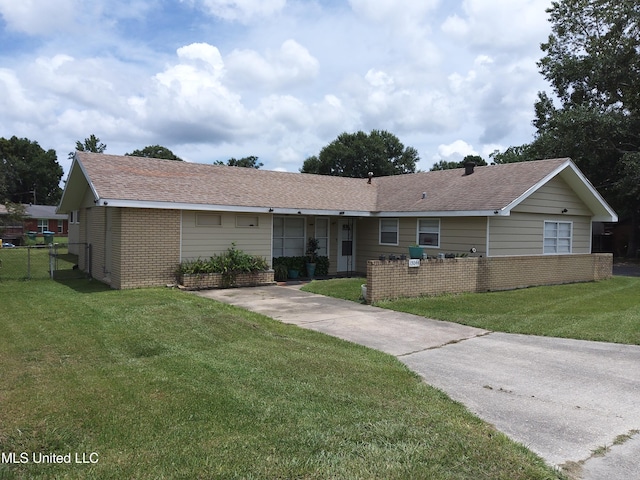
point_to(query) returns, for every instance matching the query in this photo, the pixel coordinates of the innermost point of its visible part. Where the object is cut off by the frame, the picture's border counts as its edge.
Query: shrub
(299, 263)
(228, 263)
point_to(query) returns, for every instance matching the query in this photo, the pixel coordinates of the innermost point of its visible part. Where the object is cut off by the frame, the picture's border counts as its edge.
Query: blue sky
(279, 79)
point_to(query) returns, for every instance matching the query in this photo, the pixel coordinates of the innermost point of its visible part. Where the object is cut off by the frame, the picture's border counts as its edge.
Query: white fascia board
(445, 213)
(608, 215)
(112, 202)
(538, 185)
(75, 165)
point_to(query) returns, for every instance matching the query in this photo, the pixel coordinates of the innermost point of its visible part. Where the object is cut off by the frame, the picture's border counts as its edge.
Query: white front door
(346, 245)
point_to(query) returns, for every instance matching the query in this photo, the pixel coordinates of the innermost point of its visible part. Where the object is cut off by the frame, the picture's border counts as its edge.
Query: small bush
(231, 262)
(299, 263)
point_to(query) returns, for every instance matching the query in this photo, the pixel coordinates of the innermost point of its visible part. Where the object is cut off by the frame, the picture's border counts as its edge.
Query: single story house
(143, 216)
(38, 219)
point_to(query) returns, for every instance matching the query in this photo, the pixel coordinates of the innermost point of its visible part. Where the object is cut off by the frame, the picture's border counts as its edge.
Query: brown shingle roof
(139, 179)
(487, 188)
(144, 179)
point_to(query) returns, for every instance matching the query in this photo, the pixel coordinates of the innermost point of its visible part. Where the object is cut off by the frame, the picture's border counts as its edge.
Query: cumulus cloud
(503, 24)
(269, 78)
(456, 151)
(290, 65)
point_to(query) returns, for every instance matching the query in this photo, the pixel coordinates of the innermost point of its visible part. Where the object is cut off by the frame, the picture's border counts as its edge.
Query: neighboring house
(39, 219)
(143, 216)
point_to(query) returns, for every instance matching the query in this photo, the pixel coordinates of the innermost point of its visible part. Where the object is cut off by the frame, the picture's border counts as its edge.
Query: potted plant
(313, 245)
(415, 251)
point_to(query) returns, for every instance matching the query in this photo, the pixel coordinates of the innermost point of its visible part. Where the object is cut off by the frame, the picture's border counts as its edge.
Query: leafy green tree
(592, 61)
(445, 165)
(246, 162)
(357, 154)
(29, 173)
(90, 144)
(155, 151)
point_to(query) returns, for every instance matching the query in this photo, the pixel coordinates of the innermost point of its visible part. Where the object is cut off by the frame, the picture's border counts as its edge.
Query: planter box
(199, 281)
(416, 252)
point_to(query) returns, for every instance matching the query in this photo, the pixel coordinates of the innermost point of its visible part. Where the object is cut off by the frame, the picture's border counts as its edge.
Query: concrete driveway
(563, 399)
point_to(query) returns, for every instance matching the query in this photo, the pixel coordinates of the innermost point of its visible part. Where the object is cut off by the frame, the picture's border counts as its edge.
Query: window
(43, 225)
(246, 221)
(388, 231)
(288, 236)
(60, 226)
(72, 216)
(557, 237)
(322, 234)
(208, 220)
(429, 232)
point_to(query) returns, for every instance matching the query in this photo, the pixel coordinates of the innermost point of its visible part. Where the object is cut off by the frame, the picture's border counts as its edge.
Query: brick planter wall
(215, 280)
(394, 279)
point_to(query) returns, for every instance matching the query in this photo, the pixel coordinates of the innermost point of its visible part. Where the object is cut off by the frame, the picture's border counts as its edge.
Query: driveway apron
(561, 398)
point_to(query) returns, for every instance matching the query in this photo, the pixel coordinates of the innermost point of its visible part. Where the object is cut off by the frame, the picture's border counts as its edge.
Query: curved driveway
(563, 399)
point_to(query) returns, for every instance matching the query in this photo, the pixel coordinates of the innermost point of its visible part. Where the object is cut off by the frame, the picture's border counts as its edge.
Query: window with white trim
(389, 231)
(429, 232)
(288, 236)
(557, 237)
(60, 226)
(43, 225)
(322, 235)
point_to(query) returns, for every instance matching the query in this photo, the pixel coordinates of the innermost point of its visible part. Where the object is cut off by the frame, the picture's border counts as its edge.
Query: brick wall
(393, 279)
(146, 247)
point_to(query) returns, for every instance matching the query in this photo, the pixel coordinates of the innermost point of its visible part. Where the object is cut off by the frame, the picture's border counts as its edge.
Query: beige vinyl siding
(460, 234)
(523, 234)
(457, 235)
(367, 242)
(581, 234)
(205, 241)
(552, 198)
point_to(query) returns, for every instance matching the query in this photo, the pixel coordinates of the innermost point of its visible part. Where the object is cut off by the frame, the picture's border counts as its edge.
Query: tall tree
(29, 173)
(592, 61)
(247, 162)
(90, 144)
(155, 151)
(357, 154)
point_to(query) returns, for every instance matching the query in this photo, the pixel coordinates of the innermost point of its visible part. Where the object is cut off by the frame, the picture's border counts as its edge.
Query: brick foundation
(394, 279)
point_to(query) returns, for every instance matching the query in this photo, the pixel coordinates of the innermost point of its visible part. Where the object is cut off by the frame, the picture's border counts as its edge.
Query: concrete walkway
(563, 399)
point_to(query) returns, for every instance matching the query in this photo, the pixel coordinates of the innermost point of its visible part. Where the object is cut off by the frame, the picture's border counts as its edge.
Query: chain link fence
(36, 262)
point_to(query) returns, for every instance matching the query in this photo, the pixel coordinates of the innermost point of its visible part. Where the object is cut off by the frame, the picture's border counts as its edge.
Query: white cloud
(242, 10)
(456, 150)
(290, 65)
(394, 11)
(503, 24)
(190, 98)
(39, 17)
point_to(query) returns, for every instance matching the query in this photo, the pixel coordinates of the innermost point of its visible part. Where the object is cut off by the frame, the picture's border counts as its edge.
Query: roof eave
(602, 212)
(115, 202)
(70, 188)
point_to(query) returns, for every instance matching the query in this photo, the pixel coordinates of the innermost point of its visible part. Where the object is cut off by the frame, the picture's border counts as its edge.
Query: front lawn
(607, 311)
(158, 383)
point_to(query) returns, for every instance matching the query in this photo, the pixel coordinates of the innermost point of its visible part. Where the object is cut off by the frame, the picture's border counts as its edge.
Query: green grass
(33, 263)
(607, 311)
(164, 384)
